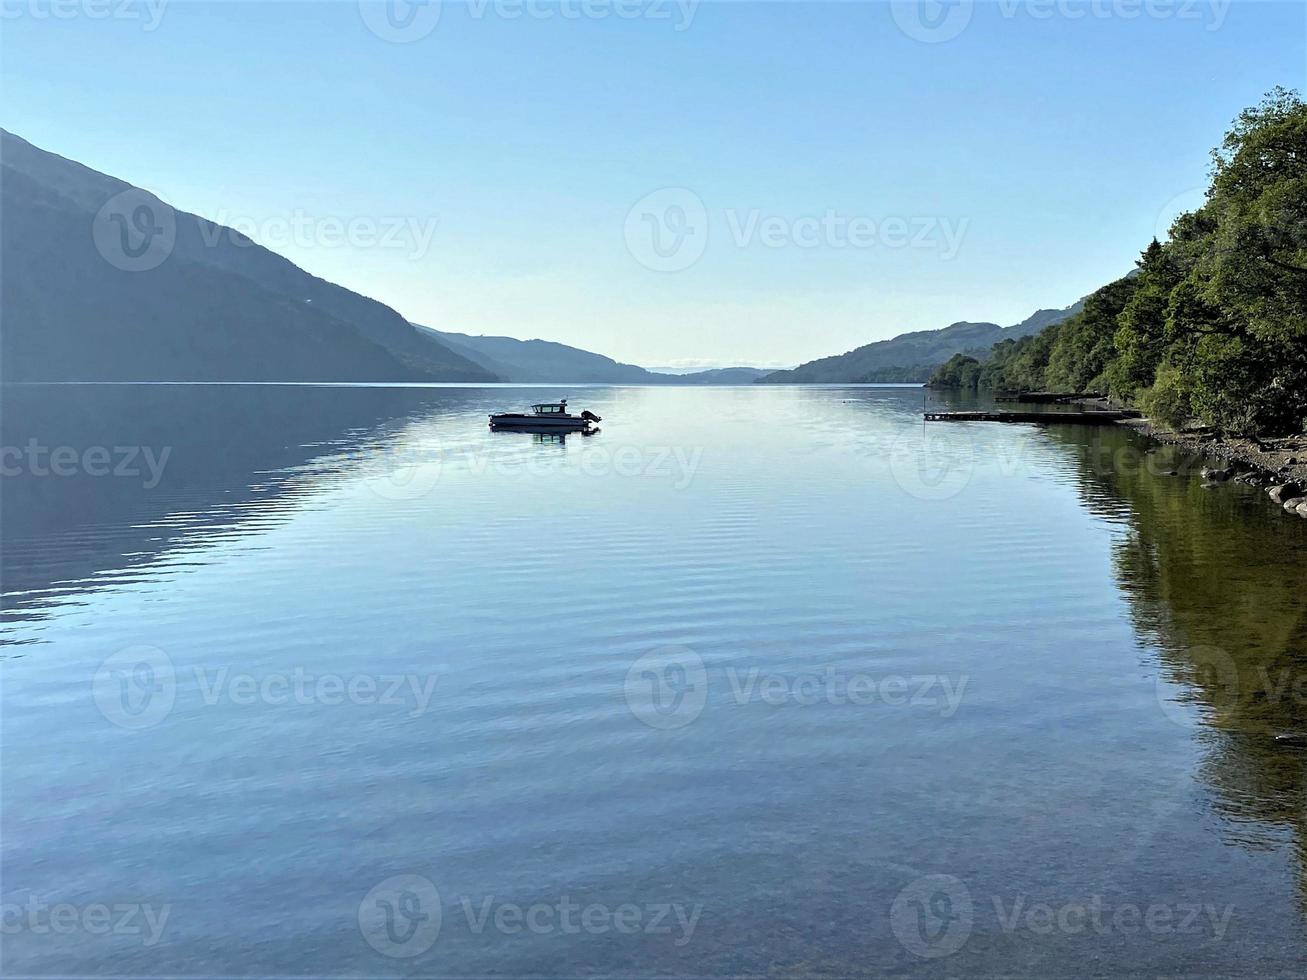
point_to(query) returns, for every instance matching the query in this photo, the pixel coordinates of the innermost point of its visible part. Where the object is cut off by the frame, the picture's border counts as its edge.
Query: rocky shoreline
(1277, 465)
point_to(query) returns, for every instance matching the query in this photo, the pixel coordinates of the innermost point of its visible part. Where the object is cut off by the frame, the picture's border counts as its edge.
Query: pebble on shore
(1284, 492)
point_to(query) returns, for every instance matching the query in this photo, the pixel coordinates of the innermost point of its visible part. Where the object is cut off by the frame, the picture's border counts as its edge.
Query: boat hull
(539, 423)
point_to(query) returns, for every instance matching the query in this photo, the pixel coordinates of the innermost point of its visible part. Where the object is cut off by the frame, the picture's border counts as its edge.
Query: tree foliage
(959, 371)
(1212, 324)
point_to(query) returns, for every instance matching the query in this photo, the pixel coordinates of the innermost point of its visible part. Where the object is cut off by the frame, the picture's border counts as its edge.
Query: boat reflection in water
(554, 438)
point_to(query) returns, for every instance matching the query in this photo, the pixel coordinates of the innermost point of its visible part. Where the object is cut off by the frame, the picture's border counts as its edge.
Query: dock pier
(1105, 417)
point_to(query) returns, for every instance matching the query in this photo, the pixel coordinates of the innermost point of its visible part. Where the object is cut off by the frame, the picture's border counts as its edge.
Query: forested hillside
(1212, 326)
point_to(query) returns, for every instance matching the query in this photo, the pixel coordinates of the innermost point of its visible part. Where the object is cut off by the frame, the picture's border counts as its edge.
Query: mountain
(104, 282)
(1037, 321)
(545, 361)
(541, 360)
(911, 357)
(723, 376)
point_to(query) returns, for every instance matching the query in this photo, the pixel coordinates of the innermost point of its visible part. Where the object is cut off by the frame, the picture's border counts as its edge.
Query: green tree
(959, 371)
(1140, 339)
(1213, 322)
(1085, 344)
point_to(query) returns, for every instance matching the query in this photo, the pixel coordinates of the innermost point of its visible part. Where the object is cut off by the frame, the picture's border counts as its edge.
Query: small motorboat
(546, 417)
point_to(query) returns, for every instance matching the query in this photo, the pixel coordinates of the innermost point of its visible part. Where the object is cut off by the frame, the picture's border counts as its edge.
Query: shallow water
(767, 681)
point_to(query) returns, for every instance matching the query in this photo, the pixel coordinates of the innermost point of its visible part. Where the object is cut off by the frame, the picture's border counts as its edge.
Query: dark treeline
(1212, 325)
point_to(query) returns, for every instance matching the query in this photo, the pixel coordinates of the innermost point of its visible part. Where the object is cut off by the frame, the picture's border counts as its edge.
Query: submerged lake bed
(754, 680)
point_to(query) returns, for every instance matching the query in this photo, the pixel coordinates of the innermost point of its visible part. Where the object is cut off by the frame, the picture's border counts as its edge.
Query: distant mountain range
(720, 376)
(550, 362)
(102, 281)
(911, 357)
(541, 360)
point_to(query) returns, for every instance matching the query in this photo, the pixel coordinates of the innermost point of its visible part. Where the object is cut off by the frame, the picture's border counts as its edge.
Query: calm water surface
(333, 681)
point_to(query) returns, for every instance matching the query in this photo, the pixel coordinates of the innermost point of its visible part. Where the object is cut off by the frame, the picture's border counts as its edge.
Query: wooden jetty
(1061, 418)
(1045, 397)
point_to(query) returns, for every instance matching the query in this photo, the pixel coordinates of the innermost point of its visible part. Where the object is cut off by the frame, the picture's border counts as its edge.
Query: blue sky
(688, 183)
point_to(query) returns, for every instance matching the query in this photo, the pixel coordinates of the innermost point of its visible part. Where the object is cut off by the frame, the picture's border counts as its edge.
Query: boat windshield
(548, 409)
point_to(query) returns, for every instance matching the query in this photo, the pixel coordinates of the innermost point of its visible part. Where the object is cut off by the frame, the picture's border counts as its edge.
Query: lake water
(334, 681)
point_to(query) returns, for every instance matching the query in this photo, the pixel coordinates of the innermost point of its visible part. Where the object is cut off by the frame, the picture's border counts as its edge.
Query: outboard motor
(590, 416)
